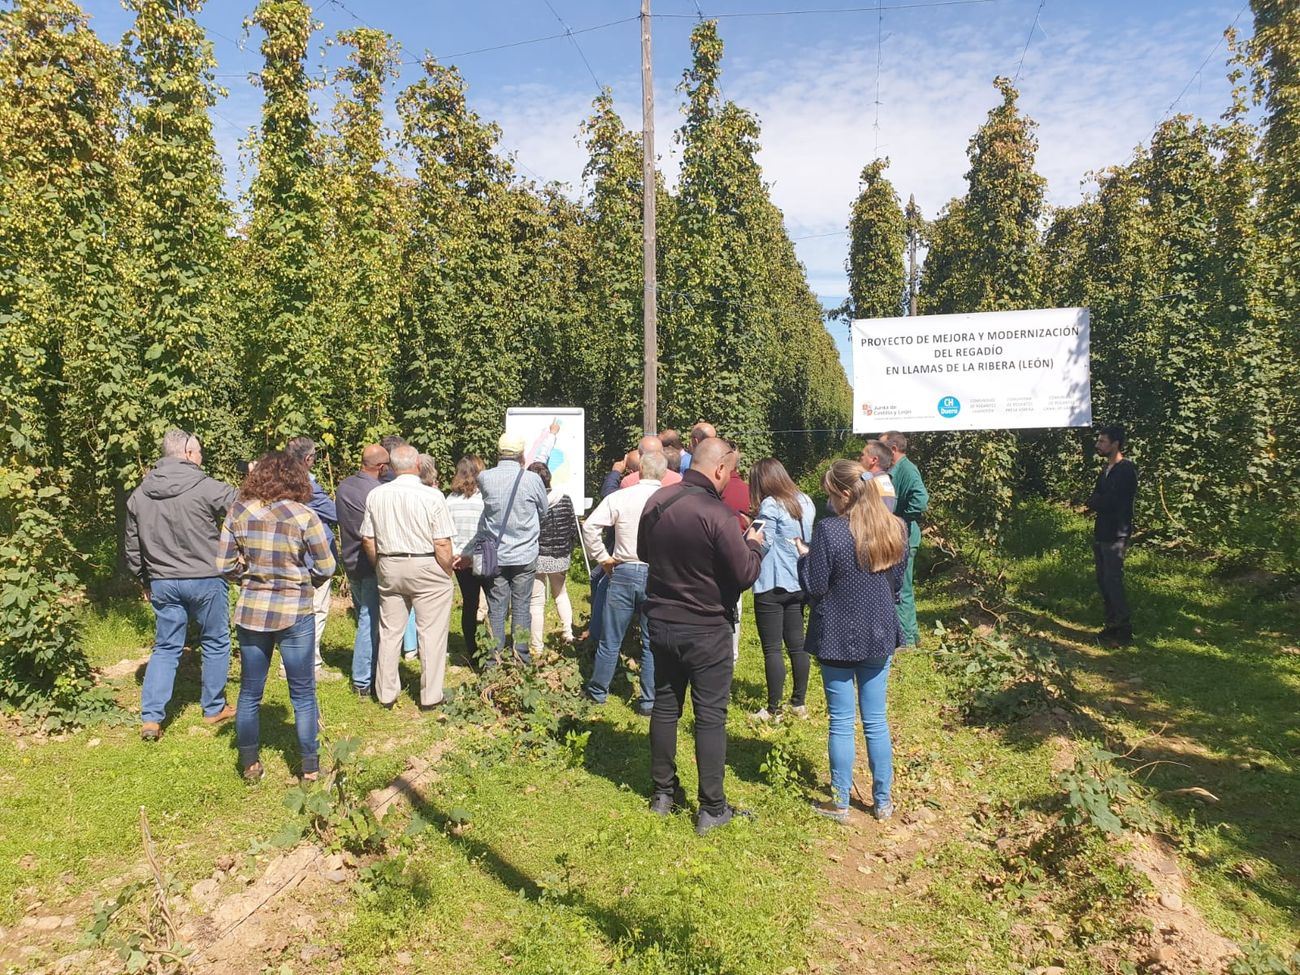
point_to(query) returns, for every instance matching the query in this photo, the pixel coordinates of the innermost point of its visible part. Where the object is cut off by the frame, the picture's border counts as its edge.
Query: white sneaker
(800, 711)
(763, 716)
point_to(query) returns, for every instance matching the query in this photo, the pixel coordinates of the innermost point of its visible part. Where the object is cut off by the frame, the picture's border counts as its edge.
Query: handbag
(488, 549)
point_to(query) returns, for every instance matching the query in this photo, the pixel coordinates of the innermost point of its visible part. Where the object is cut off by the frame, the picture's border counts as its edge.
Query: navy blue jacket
(852, 617)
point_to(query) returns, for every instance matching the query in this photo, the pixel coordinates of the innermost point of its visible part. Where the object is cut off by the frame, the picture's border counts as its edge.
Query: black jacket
(1112, 499)
(699, 560)
(559, 530)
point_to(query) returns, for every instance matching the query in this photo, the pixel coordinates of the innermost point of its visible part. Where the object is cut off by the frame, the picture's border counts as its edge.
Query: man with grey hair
(303, 450)
(172, 527)
(406, 533)
(625, 591)
(514, 500)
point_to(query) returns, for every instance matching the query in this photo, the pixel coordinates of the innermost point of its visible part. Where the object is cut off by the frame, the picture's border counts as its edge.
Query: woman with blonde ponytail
(852, 571)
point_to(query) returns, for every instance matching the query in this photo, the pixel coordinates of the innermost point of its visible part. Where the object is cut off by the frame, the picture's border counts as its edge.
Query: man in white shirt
(625, 591)
(406, 533)
(876, 461)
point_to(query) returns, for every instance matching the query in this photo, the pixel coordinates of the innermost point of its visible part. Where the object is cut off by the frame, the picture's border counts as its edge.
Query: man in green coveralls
(913, 499)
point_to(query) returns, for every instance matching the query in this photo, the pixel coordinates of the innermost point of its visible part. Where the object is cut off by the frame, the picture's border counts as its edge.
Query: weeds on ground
(529, 710)
(999, 677)
(1259, 959)
(332, 810)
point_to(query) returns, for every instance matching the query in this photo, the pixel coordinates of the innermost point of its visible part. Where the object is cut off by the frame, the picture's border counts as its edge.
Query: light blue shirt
(519, 540)
(780, 561)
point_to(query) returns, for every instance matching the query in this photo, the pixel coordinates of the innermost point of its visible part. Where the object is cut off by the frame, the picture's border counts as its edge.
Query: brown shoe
(225, 714)
(150, 731)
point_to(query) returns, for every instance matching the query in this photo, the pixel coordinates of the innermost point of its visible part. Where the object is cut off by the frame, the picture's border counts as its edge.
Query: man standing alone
(1112, 500)
(351, 503)
(406, 533)
(912, 501)
(699, 565)
(172, 527)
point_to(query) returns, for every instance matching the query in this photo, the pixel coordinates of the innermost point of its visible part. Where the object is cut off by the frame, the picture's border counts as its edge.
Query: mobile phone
(758, 524)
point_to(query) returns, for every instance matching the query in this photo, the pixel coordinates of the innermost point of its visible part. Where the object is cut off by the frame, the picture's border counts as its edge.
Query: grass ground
(559, 869)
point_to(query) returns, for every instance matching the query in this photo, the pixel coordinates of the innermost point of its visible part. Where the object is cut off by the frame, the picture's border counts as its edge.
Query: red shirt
(736, 497)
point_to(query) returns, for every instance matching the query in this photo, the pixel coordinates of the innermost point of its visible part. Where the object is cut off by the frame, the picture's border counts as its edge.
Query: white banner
(988, 371)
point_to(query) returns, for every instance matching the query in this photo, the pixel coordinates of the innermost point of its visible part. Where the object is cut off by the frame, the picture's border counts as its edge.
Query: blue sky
(830, 89)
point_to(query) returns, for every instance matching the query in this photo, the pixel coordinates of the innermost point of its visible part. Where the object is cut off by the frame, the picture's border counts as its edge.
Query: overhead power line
(1032, 27)
(1192, 80)
(828, 10)
(531, 40)
(568, 32)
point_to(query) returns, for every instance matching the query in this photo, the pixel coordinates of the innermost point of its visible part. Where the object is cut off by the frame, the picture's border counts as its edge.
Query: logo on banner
(949, 407)
(867, 410)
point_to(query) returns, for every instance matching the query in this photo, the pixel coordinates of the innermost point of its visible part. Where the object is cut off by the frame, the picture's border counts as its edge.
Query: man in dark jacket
(172, 526)
(1112, 500)
(699, 565)
(350, 501)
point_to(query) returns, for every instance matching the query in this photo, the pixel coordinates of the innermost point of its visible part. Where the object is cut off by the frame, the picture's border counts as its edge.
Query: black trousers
(1108, 558)
(697, 655)
(779, 616)
(471, 588)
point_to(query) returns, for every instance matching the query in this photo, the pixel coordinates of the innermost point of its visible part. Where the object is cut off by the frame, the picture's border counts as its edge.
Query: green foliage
(742, 339)
(44, 674)
(332, 809)
(1000, 677)
(1257, 958)
(530, 710)
(1102, 796)
(985, 255)
(184, 254)
(282, 263)
(877, 236)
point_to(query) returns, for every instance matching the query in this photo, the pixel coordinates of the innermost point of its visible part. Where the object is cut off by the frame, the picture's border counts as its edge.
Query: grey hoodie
(173, 521)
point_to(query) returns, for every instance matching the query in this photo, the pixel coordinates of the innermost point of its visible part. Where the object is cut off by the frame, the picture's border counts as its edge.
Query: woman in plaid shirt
(277, 550)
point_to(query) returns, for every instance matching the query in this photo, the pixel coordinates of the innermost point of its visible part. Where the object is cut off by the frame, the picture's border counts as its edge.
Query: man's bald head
(404, 459)
(373, 457)
(700, 432)
(650, 444)
(632, 462)
(712, 452)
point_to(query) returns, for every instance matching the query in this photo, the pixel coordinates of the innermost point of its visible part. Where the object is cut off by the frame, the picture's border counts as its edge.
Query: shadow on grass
(619, 925)
(1205, 672)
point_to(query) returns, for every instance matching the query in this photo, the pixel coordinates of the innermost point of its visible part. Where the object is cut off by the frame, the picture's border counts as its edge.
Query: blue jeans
(599, 583)
(511, 590)
(176, 602)
(623, 597)
(298, 652)
(411, 638)
(859, 687)
(365, 600)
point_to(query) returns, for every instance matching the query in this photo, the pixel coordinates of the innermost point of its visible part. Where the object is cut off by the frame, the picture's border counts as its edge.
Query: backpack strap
(510, 506)
(657, 513)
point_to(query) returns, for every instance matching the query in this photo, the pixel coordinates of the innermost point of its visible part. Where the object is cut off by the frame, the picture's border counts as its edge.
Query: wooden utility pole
(913, 230)
(650, 299)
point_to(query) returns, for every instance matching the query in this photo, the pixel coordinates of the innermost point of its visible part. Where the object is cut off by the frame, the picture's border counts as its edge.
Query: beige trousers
(406, 584)
(321, 610)
(554, 582)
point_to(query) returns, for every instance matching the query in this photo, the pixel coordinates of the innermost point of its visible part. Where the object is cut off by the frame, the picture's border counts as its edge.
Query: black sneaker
(706, 820)
(663, 804)
(362, 692)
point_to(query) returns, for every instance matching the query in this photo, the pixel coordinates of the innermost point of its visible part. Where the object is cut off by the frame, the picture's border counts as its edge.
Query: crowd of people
(675, 539)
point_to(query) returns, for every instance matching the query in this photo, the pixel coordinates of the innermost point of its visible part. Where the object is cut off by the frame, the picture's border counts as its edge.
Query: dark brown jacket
(699, 561)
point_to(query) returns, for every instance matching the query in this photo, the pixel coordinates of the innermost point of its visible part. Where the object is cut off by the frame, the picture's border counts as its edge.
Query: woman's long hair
(877, 534)
(276, 477)
(465, 481)
(768, 478)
